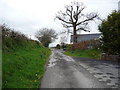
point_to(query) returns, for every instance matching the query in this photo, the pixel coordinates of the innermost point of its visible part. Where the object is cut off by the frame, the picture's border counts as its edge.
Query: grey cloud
(29, 21)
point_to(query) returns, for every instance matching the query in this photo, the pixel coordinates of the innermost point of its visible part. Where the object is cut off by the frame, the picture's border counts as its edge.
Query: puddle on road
(53, 60)
(67, 58)
(56, 57)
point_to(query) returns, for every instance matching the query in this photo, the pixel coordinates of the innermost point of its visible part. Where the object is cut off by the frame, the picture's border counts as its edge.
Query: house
(86, 37)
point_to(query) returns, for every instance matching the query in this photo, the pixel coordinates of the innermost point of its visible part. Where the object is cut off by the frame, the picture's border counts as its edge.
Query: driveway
(71, 72)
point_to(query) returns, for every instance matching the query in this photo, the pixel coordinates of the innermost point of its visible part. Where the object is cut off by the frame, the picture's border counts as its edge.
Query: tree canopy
(46, 36)
(110, 29)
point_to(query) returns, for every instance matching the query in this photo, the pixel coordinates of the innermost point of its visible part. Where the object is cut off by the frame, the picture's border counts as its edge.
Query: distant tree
(58, 46)
(46, 36)
(110, 29)
(73, 17)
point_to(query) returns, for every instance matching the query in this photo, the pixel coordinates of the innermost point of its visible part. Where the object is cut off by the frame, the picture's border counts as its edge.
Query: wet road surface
(72, 72)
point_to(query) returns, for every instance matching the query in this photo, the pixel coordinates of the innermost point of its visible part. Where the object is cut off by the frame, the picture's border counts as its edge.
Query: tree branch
(82, 29)
(70, 11)
(66, 26)
(81, 10)
(63, 20)
(89, 18)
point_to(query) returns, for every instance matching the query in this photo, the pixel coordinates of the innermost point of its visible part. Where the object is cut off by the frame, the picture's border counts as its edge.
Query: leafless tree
(73, 17)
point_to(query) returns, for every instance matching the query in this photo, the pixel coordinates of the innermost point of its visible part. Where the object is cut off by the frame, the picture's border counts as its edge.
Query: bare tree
(73, 17)
(46, 36)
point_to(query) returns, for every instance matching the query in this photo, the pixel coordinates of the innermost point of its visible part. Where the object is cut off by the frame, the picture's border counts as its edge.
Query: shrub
(110, 30)
(11, 38)
(84, 45)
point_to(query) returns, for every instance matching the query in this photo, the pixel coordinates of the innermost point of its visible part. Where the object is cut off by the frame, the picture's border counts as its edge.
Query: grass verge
(0, 68)
(24, 67)
(88, 53)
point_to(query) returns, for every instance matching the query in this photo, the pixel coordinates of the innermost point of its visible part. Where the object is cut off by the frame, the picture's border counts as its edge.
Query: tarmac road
(69, 72)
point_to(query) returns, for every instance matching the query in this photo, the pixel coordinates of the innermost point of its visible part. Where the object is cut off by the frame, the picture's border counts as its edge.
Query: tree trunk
(74, 34)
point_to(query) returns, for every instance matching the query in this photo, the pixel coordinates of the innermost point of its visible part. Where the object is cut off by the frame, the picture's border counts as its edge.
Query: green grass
(0, 68)
(88, 53)
(23, 67)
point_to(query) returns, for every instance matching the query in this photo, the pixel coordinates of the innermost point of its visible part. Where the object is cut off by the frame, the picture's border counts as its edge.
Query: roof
(88, 34)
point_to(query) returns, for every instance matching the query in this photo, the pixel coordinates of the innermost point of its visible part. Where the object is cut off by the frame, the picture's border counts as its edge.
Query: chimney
(119, 7)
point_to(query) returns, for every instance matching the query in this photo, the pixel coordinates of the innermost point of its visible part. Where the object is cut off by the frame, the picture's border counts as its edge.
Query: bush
(11, 38)
(110, 29)
(84, 45)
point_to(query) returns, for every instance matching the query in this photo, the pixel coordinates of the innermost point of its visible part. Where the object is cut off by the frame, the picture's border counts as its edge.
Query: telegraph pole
(119, 7)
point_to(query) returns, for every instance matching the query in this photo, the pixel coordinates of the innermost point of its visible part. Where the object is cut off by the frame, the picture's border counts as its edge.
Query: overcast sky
(28, 16)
